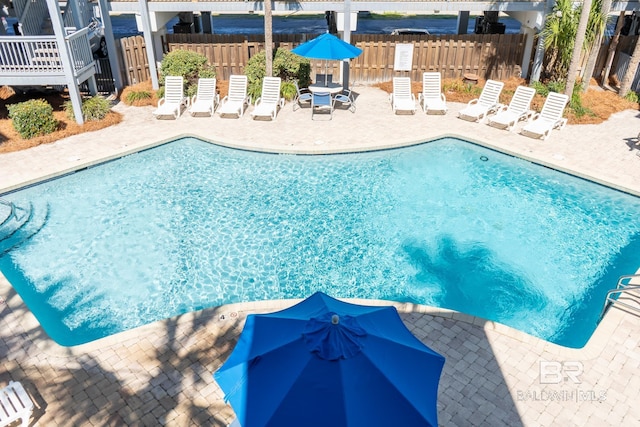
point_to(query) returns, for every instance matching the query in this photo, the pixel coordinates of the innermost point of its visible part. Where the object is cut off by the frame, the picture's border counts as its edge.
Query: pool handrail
(623, 287)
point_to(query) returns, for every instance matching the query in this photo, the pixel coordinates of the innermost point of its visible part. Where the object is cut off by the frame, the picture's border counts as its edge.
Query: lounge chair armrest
(535, 116)
(216, 99)
(528, 115)
(281, 102)
(444, 98)
(472, 102)
(420, 97)
(562, 123)
(161, 101)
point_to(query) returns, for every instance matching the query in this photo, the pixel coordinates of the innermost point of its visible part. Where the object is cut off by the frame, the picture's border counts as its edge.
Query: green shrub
(289, 67)
(556, 86)
(541, 88)
(32, 118)
(95, 108)
(136, 95)
(575, 103)
(286, 65)
(188, 64)
(632, 96)
(288, 90)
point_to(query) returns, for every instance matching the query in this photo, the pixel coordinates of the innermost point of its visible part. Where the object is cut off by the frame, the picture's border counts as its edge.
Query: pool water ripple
(190, 225)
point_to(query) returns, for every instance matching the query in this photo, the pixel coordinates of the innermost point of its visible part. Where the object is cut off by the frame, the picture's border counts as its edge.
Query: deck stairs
(34, 19)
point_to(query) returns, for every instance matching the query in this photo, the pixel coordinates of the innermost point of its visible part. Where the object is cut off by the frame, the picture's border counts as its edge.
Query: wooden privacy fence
(497, 56)
(134, 60)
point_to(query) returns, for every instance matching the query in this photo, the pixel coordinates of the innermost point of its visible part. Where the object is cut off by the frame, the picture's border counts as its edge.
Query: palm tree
(627, 80)
(268, 38)
(598, 29)
(612, 50)
(578, 46)
(559, 33)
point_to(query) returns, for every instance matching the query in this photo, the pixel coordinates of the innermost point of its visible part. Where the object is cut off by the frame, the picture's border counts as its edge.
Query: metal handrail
(623, 286)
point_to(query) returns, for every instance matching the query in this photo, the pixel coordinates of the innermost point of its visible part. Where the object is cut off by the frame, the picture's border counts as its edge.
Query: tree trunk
(595, 49)
(577, 47)
(625, 86)
(268, 38)
(613, 44)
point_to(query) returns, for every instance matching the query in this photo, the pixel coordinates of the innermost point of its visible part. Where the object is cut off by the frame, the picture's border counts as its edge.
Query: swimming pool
(190, 225)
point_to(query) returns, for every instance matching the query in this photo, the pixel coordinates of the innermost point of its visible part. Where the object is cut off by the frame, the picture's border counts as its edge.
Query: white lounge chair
(402, 99)
(432, 99)
(518, 109)
(15, 404)
(489, 101)
(549, 118)
(303, 96)
(205, 100)
(170, 105)
(270, 100)
(236, 100)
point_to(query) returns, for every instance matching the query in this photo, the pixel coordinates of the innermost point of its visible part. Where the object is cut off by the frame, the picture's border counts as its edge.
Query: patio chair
(303, 96)
(518, 109)
(432, 99)
(236, 101)
(402, 99)
(322, 102)
(346, 99)
(549, 118)
(205, 100)
(15, 404)
(270, 100)
(170, 105)
(324, 79)
(488, 102)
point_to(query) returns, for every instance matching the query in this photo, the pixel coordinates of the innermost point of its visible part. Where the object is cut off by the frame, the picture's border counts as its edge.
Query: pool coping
(324, 151)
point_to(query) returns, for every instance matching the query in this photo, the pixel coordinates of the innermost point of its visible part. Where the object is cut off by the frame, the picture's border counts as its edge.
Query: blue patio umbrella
(324, 362)
(327, 47)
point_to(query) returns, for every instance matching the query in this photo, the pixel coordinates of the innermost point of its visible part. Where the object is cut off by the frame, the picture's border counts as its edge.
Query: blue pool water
(190, 225)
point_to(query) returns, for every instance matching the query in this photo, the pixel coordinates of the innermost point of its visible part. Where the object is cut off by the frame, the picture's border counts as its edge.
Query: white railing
(40, 54)
(80, 49)
(29, 54)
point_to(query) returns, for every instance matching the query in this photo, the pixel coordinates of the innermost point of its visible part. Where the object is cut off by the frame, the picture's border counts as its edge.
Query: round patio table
(332, 88)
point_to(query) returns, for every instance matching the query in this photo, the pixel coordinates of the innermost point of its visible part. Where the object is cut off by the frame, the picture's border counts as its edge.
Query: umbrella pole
(325, 73)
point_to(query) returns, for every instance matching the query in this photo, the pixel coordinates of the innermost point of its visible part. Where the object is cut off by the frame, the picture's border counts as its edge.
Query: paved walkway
(160, 374)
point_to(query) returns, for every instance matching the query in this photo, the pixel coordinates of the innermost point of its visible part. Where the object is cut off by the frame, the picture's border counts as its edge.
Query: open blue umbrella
(324, 362)
(327, 47)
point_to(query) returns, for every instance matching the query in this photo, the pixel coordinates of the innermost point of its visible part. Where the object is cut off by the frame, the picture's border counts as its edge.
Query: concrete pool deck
(160, 374)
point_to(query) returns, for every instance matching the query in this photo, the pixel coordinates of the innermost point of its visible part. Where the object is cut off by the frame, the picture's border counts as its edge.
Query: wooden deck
(35, 60)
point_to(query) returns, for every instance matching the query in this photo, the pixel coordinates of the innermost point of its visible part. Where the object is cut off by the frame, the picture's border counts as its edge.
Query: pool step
(12, 217)
(23, 225)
